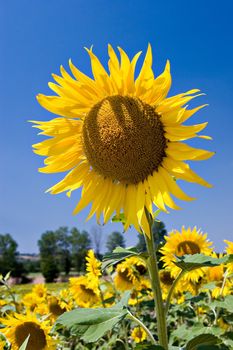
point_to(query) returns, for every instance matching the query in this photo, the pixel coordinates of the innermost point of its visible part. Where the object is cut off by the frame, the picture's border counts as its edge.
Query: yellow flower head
(85, 292)
(120, 138)
(215, 273)
(138, 335)
(32, 301)
(229, 250)
(93, 265)
(40, 290)
(19, 326)
(188, 241)
(128, 273)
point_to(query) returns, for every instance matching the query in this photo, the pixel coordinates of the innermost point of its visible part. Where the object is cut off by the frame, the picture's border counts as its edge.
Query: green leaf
(25, 343)
(227, 303)
(191, 262)
(118, 255)
(91, 324)
(202, 339)
(147, 346)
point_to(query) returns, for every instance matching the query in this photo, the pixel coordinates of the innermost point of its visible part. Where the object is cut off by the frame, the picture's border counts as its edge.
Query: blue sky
(38, 36)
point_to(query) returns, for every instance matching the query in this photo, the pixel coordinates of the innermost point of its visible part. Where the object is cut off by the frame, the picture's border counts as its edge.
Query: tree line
(64, 250)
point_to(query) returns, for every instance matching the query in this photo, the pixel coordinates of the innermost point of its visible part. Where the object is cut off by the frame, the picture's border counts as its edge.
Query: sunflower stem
(168, 301)
(141, 324)
(156, 287)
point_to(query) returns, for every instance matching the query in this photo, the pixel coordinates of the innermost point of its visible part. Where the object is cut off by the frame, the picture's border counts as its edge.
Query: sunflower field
(111, 306)
(120, 140)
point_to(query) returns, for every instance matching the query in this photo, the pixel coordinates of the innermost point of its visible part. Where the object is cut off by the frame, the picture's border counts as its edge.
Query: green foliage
(159, 232)
(80, 244)
(49, 268)
(191, 262)
(62, 249)
(115, 239)
(8, 256)
(91, 324)
(25, 343)
(118, 255)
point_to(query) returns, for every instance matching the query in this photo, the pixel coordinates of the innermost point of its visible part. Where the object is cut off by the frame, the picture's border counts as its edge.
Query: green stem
(141, 324)
(181, 274)
(156, 288)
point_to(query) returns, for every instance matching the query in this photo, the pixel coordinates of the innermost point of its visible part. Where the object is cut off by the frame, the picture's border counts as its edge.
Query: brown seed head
(123, 139)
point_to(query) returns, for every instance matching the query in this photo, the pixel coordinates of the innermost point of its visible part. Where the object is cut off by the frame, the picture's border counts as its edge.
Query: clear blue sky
(38, 36)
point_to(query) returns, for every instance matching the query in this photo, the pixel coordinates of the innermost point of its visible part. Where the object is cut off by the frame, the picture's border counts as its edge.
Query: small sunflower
(229, 250)
(31, 301)
(40, 290)
(138, 334)
(128, 273)
(188, 241)
(166, 281)
(119, 138)
(222, 289)
(85, 292)
(215, 273)
(19, 326)
(93, 265)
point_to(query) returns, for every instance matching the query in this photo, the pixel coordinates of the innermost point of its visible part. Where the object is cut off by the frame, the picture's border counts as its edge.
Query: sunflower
(166, 281)
(229, 250)
(120, 138)
(215, 273)
(138, 334)
(85, 292)
(19, 326)
(40, 290)
(188, 241)
(129, 273)
(93, 265)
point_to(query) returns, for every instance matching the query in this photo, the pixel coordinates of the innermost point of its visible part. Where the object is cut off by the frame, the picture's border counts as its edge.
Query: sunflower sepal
(191, 262)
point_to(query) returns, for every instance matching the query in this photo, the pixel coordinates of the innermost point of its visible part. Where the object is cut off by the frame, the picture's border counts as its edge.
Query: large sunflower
(19, 326)
(188, 241)
(119, 138)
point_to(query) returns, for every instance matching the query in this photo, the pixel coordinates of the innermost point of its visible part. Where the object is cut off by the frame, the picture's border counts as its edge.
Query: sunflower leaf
(118, 255)
(147, 346)
(227, 303)
(25, 343)
(92, 324)
(201, 341)
(191, 262)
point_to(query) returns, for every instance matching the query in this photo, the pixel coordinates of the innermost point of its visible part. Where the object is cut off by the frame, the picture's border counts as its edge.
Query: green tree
(49, 268)
(63, 249)
(8, 256)
(80, 244)
(159, 232)
(115, 239)
(48, 255)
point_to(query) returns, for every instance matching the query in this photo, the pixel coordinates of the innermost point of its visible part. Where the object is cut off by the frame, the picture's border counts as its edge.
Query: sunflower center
(37, 339)
(166, 278)
(88, 291)
(124, 139)
(55, 308)
(187, 247)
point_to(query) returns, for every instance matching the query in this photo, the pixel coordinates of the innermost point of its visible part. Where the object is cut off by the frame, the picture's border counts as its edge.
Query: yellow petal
(183, 132)
(173, 187)
(183, 171)
(182, 151)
